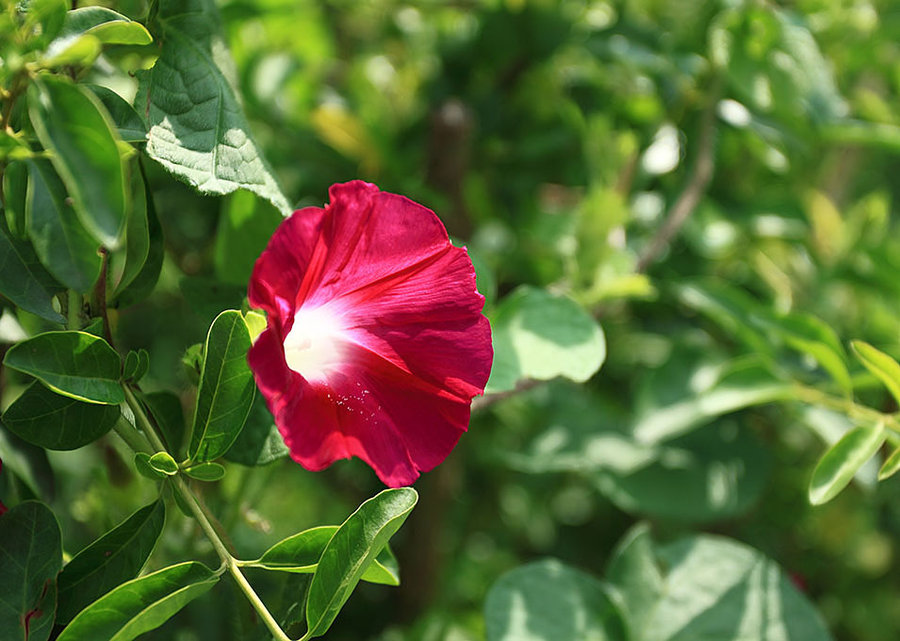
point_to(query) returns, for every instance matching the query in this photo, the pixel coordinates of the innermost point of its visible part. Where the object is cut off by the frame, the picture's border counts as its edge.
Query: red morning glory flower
(375, 343)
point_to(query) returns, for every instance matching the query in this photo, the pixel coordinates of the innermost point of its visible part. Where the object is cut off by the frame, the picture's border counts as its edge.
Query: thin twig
(694, 190)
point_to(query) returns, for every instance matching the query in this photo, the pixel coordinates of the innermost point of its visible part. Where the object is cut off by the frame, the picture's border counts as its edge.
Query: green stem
(131, 437)
(188, 497)
(845, 405)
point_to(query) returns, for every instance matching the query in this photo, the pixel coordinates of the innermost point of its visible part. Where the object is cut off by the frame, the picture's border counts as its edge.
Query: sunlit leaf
(881, 365)
(838, 465)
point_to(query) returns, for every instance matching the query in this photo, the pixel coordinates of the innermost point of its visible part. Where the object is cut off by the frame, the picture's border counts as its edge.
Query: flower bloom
(375, 342)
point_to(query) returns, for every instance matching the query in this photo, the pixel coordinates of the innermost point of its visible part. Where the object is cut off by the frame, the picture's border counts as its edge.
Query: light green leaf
(143, 467)
(246, 224)
(706, 587)
(108, 26)
(206, 471)
(42, 417)
(881, 365)
(114, 558)
(550, 601)
(72, 51)
(23, 279)
(71, 123)
(350, 552)
(301, 552)
(891, 466)
(226, 388)
(75, 364)
(163, 463)
(65, 248)
(140, 605)
(197, 128)
(30, 557)
(540, 336)
(838, 465)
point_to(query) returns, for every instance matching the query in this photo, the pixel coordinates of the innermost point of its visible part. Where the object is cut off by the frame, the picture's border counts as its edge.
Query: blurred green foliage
(557, 140)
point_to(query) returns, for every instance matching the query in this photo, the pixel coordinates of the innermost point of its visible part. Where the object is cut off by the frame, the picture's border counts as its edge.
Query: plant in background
(690, 173)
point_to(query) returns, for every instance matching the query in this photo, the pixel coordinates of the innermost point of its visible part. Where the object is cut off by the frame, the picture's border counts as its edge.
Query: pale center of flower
(315, 344)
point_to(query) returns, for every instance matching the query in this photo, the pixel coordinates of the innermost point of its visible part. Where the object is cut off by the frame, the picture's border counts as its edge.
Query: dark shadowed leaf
(198, 130)
(549, 601)
(226, 388)
(23, 279)
(114, 558)
(71, 123)
(75, 364)
(165, 407)
(30, 558)
(15, 190)
(140, 605)
(259, 442)
(137, 239)
(143, 281)
(63, 245)
(350, 552)
(128, 123)
(45, 418)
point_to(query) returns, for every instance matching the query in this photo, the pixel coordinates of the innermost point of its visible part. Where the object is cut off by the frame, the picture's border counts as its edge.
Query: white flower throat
(315, 345)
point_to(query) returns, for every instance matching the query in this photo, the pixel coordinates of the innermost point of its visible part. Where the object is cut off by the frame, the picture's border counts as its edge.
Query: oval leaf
(881, 365)
(30, 558)
(128, 123)
(540, 336)
(350, 552)
(43, 417)
(71, 123)
(891, 465)
(114, 558)
(206, 471)
(75, 364)
(838, 465)
(136, 287)
(163, 463)
(108, 26)
(550, 601)
(140, 605)
(226, 388)
(60, 241)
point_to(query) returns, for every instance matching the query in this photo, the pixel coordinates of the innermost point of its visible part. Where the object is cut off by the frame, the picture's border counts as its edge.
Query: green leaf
(72, 51)
(881, 365)
(136, 365)
(137, 238)
(23, 279)
(550, 601)
(74, 364)
(206, 471)
(226, 388)
(301, 552)
(163, 463)
(56, 422)
(63, 245)
(540, 336)
(28, 462)
(260, 442)
(140, 605)
(15, 190)
(246, 224)
(165, 407)
(128, 123)
(706, 587)
(838, 465)
(50, 14)
(143, 467)
(108, 26)
(71, 123)
(350, 552)
(30, 558)
(144, 280)
(890, 467)
(114, 558)
(256, 323)
(198, 130)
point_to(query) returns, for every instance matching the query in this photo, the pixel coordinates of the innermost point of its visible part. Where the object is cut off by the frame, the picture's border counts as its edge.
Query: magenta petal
(390, 338)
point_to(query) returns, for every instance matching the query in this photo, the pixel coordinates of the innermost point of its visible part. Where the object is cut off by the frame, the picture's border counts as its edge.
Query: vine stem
(231, 564)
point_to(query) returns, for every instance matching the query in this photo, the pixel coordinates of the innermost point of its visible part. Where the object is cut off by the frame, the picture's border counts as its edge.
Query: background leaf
(30, 558)
(74, 364)
(23, 279)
